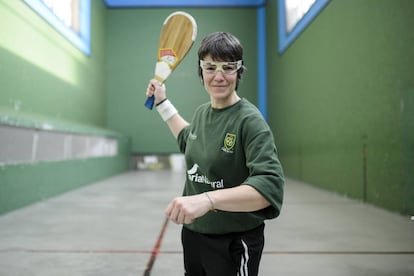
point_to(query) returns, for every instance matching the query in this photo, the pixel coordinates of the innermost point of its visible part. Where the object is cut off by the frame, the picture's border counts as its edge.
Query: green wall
(341, 99)
(42, 73)
(46, 81)
(132, 40)
(22, 185)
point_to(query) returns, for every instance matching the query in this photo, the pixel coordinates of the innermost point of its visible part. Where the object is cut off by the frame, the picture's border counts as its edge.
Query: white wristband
(166, 110)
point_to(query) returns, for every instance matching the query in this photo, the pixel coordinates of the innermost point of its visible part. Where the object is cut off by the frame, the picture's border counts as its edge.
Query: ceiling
(182, 3)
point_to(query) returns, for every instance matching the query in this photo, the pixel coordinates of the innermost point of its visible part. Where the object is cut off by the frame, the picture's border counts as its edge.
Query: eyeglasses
(228, 68)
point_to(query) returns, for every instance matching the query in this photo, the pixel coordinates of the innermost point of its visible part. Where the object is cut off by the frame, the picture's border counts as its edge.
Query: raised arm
(167, 111)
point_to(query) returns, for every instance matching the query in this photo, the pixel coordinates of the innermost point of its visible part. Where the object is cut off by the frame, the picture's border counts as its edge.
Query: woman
(234, 179)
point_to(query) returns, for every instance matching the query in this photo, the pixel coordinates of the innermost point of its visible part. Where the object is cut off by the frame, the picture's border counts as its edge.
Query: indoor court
(110, 228)
(111, 109)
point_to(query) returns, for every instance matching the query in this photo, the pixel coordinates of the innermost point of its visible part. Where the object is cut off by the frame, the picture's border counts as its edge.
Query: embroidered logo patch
(167, 55)
(229, 142)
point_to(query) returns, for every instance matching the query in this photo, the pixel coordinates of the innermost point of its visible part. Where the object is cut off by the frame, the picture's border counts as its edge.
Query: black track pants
(234, 254)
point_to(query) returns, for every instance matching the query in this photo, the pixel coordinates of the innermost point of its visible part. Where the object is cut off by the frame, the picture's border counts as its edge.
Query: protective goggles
(227, 68)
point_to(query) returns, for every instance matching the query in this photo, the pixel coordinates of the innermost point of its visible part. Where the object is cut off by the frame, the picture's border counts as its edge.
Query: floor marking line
(282, 252)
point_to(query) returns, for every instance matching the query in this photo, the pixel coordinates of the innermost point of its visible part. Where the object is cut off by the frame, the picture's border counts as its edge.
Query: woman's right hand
(157, 89)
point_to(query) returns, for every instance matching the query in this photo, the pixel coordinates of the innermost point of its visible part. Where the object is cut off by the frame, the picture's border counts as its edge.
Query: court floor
(110, 227)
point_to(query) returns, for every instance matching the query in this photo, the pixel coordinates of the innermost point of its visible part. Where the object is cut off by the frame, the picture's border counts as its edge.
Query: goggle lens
(227, 68)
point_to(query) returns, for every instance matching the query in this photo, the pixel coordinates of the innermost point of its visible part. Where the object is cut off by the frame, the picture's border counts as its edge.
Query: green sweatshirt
(229, 147)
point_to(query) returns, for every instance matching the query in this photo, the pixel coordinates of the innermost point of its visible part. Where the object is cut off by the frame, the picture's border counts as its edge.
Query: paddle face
(176, 39)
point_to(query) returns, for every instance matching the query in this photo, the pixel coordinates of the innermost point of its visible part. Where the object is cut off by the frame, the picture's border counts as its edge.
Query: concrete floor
(110, 227)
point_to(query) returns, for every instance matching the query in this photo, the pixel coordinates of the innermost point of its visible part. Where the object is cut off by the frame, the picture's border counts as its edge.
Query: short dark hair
(221, 46)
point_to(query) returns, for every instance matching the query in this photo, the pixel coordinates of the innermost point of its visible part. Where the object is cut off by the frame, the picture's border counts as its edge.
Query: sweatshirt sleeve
(182, 138)
(265, 170)
(185, 132)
